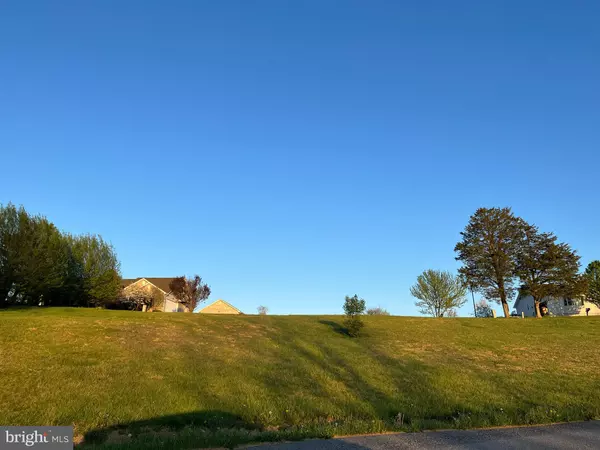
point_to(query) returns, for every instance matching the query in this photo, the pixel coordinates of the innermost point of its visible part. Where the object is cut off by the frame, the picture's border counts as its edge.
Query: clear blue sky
(294, 152)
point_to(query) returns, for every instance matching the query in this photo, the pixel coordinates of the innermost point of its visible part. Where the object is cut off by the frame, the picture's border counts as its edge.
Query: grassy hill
(126, 379)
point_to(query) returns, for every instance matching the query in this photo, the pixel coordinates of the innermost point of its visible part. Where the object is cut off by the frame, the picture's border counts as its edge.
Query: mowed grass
(143, 380)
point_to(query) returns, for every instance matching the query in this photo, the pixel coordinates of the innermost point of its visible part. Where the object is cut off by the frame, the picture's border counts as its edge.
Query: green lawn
(135, 380)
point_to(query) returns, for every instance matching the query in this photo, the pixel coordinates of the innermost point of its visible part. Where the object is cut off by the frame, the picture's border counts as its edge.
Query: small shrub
(483, 309)
(353, 307)
(379, 311)
(353, 326)
(262, 310)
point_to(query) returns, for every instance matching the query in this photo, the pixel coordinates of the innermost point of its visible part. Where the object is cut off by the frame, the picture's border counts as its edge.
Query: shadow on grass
(335, 327)
(195, 429)
(380, 393)
(200, 429)
(210, 420)
(368, 402)
(335, 386)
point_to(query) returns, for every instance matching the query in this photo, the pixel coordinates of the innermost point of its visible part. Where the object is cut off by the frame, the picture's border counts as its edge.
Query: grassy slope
(275, 377)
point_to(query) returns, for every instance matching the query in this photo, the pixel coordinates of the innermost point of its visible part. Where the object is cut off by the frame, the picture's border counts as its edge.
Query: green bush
(353, 325)
(353, 307)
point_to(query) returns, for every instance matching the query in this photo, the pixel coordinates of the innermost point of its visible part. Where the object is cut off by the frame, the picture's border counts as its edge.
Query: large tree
(438, 292)
(97, 269)
(34, 258)
(10, 218)
(547, 268)
(41, 265)
(189, 291)
(487, 251)
(592, 276)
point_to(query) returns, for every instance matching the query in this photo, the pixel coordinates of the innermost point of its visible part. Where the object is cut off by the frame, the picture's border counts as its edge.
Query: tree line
(40, 265)
(502, 254)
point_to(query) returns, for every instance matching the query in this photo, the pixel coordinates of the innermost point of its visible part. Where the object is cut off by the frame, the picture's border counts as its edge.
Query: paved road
(576, 436)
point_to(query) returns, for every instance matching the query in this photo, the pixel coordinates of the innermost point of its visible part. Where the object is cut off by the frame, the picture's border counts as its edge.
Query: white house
(557, 306)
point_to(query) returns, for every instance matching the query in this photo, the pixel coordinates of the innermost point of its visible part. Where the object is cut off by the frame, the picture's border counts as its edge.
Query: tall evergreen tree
(487, 251)
(547, 268)
(97, 269)
(9, 225)
(42, 261)
(34, 257)
(592, 275)
(39, 264)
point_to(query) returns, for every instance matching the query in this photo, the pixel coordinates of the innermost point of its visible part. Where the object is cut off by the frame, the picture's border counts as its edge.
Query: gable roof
(161, 283)
(522, 293)
(518, 300)
(221, 301)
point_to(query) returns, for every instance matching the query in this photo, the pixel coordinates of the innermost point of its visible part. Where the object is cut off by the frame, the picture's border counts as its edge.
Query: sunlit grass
(185, 381)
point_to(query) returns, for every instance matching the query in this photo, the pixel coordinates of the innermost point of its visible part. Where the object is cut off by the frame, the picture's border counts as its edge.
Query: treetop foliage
(189, 291)
(438, 292)
(592, 278)
(378, 311)
(487, 250)
(41, 265)
(547, 268)
(353, 308)
(498, 249)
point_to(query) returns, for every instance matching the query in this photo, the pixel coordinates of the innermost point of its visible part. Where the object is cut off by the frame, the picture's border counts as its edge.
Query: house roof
(521, 295)
(221, 301)
(518, 300)
(161, 283)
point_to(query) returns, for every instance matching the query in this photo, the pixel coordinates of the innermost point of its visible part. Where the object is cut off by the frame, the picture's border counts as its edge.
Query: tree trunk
(505, 308)
(537, 308)
(503, 299)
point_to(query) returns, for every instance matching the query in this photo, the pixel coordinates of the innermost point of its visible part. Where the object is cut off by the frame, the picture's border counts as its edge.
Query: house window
(582, 301)
(569, 302)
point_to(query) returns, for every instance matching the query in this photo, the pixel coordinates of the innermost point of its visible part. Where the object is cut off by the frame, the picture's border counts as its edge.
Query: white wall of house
(557, 307)
(172, 305)
(525, 305)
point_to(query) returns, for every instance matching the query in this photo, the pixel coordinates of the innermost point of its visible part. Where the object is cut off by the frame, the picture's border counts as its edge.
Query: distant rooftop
(161, 283)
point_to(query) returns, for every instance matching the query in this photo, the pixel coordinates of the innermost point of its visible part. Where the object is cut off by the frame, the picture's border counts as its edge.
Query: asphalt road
(576, 436)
